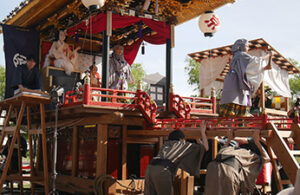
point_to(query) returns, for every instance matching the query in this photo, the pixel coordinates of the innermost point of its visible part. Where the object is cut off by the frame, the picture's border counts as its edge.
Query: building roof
(278, 59)
(155, 78)
(47, 16)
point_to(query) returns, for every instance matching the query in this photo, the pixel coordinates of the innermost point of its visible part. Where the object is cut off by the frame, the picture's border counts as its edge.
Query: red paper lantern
(209, 23)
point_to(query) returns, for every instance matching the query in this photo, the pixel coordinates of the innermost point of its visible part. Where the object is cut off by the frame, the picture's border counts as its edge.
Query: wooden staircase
(18, 104)
(278, 150)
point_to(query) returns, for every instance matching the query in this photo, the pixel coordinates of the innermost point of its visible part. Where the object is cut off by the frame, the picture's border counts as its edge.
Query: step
(286, 134)
(295, 152)
(34, 131)
(9, 129)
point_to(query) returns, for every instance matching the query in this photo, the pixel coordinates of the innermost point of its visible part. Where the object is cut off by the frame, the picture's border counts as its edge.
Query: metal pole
(169, 78)
(55, 151)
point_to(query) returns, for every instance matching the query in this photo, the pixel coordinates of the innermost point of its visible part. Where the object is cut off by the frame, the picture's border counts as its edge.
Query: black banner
(18, 43)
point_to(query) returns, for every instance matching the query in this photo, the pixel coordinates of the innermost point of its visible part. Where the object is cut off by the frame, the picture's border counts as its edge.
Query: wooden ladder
(18, 105)
(279, 150)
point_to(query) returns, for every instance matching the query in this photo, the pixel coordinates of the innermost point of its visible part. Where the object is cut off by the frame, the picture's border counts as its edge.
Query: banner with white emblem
(18, 43)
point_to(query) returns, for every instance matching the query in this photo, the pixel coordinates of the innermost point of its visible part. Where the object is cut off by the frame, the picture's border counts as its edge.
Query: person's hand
(78, 48)
(256, 136)
(270, 53)
(203, 127)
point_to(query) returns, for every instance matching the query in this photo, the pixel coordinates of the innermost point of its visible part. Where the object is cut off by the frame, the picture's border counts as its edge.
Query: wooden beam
(194, 134)
(124, 152)
(101, 161)
(75, 151)
(44, 143)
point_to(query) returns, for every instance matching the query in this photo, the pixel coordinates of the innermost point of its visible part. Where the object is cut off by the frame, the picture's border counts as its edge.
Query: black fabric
(165, 163)
(30, 79)
(252, 146)
(18, 43)
(229, 160)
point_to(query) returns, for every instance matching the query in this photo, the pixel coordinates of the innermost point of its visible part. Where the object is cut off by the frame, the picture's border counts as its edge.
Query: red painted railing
(147, 106)
(201, 104)
(177, 105)
(113, 98)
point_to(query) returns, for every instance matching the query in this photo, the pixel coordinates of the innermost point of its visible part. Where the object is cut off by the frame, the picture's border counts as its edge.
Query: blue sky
(275, 21)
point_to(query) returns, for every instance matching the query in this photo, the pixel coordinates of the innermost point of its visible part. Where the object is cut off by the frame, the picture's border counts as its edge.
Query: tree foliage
(295, 81)
(192, 70)
(2, 82)
(139, 74)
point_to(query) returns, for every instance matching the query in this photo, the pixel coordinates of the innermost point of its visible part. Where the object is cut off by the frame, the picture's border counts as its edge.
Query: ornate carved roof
(279, 59)
(48, 16)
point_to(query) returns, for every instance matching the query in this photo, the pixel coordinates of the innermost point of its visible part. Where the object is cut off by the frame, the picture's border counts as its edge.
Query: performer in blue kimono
(244, 77)
(119, 70)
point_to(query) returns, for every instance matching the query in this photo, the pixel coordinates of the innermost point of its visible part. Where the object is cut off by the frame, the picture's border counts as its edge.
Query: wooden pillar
(262, 96)
(287, 102)
(29, 127)
(168, 71)
(124, 152)
(202, 92)
(105, 60)
(75, 152)
(44, 143)
(214, 143)
(102, 131)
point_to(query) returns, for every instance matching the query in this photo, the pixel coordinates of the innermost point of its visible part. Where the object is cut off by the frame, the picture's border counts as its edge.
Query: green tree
(139, 74)
(295, 81)
(192, 70)
(2, 82)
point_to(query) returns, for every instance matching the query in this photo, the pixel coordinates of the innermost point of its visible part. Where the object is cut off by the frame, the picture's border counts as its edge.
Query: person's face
(31, 64)
(62, 35)
(119, 51)
(95, 69)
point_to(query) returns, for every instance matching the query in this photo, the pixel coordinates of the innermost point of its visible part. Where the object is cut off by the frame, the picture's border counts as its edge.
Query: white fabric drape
(276, 78)
(211, 69)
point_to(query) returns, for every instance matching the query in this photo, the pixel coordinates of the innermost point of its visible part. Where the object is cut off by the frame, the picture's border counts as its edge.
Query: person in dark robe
(240, 83)
(235, 169)
(27, 76)
(119, 70)
(175, 153)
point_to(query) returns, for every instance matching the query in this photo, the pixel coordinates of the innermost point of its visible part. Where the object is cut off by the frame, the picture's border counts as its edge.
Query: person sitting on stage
(175, 153)
(119, 70)
(95, 77)
(235, 169)
(242, 80)
(62, 56)
(27, 76)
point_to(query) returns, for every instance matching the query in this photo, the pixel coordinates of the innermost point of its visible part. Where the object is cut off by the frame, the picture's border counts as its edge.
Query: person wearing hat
(175, 153)
(243, 79)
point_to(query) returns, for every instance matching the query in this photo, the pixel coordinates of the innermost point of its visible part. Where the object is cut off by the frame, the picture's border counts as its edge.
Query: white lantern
(209, 23)
(93, 3)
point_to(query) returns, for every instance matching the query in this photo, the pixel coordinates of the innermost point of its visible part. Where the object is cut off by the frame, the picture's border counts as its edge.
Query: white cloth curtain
(210, 69)
(276, 78)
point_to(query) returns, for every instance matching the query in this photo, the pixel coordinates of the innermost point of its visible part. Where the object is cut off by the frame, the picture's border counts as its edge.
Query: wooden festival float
(107, 137)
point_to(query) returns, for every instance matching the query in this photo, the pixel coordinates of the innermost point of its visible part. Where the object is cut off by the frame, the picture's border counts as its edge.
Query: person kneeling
(175, 153)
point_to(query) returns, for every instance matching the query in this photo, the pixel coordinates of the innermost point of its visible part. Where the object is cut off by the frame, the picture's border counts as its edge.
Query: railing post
(87, 90)
(265, 117)
(171, 95)
(213, 100)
